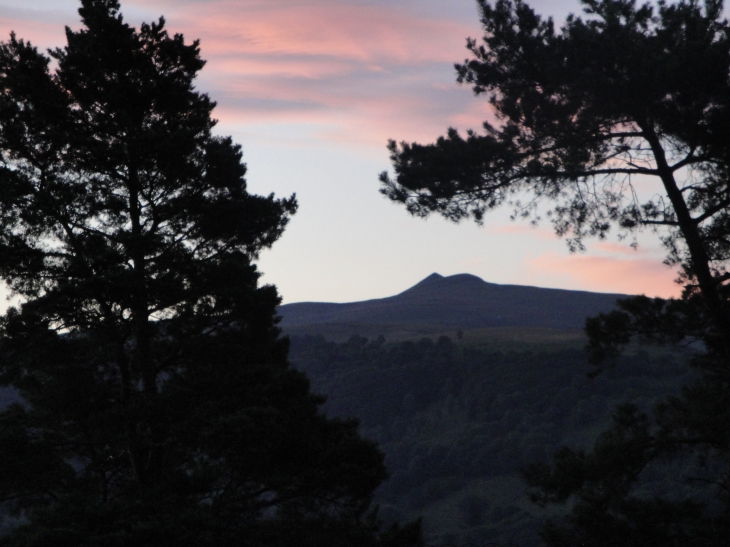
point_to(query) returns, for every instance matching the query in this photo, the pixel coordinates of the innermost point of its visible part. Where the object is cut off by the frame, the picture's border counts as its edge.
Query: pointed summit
(438, 283)
(430, 280)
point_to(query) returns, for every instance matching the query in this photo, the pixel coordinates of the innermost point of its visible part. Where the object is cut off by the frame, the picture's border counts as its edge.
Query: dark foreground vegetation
(157, 406)
(616, 120)
(458, 424)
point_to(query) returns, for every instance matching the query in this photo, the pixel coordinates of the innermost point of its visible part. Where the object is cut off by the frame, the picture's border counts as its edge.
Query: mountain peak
(433, 278)
(465, 278)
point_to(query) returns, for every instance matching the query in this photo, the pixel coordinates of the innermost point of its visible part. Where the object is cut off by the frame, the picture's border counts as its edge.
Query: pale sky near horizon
(312, 90)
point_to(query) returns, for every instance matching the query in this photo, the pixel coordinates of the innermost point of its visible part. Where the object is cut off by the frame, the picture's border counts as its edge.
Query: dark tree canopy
(158, 407)
(625, 94)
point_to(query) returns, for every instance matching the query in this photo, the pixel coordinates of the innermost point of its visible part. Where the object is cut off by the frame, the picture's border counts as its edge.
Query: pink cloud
(607, 274)
(41, 34)
(330, 30)
(360, 109)
(262, 66)
(356, 67)
(362, 72)
(366, 72)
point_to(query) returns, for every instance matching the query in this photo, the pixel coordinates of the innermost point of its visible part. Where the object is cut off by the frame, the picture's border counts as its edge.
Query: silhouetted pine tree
(158, 405)
(629, 92)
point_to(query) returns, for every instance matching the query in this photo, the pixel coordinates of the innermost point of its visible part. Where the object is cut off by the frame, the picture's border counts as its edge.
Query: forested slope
(457, 423)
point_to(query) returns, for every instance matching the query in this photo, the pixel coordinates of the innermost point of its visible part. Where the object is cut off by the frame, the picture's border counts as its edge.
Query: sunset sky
(313, 90)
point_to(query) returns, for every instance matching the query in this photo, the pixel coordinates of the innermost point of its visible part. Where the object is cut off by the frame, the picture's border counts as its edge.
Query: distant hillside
(459, 301)
(457, 423)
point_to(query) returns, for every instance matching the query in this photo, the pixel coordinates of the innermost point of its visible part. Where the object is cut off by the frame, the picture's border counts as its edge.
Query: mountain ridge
(461, 300)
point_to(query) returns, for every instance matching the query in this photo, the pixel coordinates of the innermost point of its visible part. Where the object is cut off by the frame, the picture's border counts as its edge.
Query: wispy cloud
(608, 274)
(365, 70)
(362, 33)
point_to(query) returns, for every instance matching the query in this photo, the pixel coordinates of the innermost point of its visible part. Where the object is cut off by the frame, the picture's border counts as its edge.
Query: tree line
(460, 424)
(157, 403)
